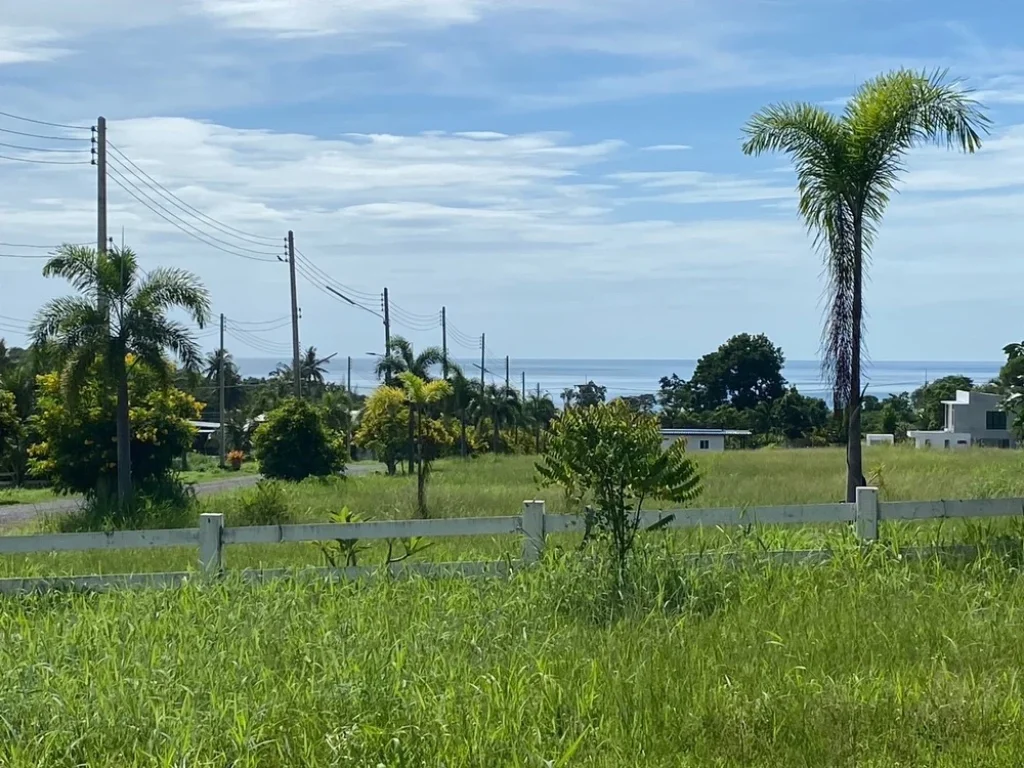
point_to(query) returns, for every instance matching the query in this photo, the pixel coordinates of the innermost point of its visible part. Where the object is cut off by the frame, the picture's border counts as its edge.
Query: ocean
(635, 377)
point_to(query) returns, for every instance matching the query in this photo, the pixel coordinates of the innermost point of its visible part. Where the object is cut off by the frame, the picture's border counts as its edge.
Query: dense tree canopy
(744, 372)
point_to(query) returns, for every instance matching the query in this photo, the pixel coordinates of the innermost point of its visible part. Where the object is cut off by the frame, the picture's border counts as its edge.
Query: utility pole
(295, 317)
(537, 425)
(101, 195)
(221, 366)
(444, 342)
(483, 365)
(523, 389)
(348, 385)
(506, 373)
(387, 338)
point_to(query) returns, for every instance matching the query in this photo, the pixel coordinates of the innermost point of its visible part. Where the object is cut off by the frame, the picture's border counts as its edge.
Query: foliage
(585, 395)
(266, 504)
(744, 372)
(847, 167)
(421, 395)
(293, 444)
(236, 456)
(797, 416)
(383, 426)
(118, 312)
(927, 399)
(611, 456)
(11, 430)
(401, 358)
(76, 439)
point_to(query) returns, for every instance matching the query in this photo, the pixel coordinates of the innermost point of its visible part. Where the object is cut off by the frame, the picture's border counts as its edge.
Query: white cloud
(21, 45)
(667, 148)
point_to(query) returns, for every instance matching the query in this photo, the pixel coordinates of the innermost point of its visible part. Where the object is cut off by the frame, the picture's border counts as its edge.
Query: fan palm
(118, 312)
(847, 167)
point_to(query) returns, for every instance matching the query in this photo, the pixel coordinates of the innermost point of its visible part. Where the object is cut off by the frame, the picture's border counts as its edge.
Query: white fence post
(211, 548)
(533, 531)
(867, 514)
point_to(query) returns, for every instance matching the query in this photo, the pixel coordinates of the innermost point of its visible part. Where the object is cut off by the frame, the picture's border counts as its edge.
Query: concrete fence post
(211, 546)
(867, 514)
(533, 531)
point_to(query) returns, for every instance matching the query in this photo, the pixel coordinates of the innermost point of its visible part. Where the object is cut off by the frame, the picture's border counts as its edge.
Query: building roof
(963, 397)
(706, 432)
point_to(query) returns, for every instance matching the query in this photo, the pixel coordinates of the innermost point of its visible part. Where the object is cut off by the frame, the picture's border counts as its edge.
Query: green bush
(266, 504)
(294, 444)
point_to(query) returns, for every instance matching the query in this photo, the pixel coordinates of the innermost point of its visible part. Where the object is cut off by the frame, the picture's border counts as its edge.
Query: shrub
(160, 503)
(76, 448)
(10, 430)
(610, 456)
(294, 444)
(266, 504)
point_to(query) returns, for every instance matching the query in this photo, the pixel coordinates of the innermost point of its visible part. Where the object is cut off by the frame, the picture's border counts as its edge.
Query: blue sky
(565, 176)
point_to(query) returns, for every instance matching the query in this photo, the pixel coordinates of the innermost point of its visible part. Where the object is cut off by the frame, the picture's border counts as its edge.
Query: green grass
(487, 486)
(12, 496)
(865, 662)
(204, 469)
(868, 661)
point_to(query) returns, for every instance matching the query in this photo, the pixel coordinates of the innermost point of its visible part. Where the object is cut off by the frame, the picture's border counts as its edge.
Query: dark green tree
(294, 444)
(927, 399)
(744, 372)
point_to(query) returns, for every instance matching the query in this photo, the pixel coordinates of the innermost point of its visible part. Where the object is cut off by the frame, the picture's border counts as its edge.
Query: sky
(563, 175)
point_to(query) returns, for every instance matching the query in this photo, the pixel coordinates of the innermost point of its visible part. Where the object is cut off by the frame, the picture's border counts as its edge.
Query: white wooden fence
(533, 524)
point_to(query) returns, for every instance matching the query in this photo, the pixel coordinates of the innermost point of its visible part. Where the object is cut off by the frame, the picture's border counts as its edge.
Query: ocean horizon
(637, 377)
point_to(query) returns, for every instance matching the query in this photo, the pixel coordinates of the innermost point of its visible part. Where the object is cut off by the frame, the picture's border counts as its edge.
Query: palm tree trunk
(421, 479)
(412, 440)
(462, 440)
(124, 446)
(854, 457)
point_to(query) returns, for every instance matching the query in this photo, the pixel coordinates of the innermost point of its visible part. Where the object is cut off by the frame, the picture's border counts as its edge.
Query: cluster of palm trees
(499, 405)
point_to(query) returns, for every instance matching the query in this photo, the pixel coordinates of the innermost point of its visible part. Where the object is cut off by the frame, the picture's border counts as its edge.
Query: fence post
(211, 551)
(533, 531)
(867, 514)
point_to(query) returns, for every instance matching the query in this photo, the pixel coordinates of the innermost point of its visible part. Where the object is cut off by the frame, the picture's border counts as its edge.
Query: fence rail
(533, 524)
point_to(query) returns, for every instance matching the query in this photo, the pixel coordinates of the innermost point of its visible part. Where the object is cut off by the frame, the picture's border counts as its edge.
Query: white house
(973, 418)
(701, 440)
(880, 439)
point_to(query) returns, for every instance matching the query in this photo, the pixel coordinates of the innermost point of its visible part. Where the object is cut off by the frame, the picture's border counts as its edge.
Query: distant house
(973, 418)
(880, 439)
(701, 440)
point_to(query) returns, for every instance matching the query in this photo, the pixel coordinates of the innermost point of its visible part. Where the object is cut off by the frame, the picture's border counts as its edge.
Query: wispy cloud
(667, 148)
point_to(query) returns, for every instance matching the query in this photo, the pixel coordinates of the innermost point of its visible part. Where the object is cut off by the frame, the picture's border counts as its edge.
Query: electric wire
(23, 148)
(258, 344)
(259, 339)
(241, 234)
(347, 289)
(434, 318)
(44, 122)
(45, 162)
(329, 291)
(179, 224)
(41, 136)
(259, 325)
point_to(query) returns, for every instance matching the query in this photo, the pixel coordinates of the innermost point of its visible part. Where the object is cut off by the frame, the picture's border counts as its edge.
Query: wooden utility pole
(101, 195)
(537, 425)
(220, 373)
(387, 338)
(444, 343)
(523, 388)
(348, 384)
(483, 365)
(506, 373)
(295, 317)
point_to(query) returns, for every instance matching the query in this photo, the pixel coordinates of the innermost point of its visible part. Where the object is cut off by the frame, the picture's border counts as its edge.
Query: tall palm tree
(118, 312)
(847, 167)
(421, 395)
(312, 369)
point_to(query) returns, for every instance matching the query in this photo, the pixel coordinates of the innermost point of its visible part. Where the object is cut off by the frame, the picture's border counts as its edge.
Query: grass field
(867, 661)
(488, 486)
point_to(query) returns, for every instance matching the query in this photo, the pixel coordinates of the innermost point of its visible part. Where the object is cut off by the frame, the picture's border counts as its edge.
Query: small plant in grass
(345, 552)
(608, 459)
(235, 459)
(266, 504)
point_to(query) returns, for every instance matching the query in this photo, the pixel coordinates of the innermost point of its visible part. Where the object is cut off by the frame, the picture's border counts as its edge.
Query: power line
(347, 289)
(331, 291)
(178, 223)
(44, 122)
(431, 318)
(45, 162)
(25, 256)
(41, 136)
(46, 247)
(284, 319)
(257, 330)
(23, 148)
(227, 229)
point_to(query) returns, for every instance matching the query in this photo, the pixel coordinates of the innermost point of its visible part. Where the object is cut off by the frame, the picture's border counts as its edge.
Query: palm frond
(79, 265)
(166, 288)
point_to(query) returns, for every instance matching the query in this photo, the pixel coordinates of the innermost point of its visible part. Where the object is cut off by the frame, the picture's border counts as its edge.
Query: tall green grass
(864, 662)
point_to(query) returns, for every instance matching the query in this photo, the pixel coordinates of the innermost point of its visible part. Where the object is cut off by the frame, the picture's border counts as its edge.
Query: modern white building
(701, 440)
(880, 439)
(973, 418)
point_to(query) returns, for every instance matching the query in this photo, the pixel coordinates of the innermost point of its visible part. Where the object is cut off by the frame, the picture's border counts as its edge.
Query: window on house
(995, 420)
(946, 444)
(961, 442)
(705, 445)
